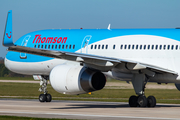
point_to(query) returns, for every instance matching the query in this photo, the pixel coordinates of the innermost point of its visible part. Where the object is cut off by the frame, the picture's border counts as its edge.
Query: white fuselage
(157, 51)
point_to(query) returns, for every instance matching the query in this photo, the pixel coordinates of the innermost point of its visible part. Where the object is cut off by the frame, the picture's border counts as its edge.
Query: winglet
(7, 39)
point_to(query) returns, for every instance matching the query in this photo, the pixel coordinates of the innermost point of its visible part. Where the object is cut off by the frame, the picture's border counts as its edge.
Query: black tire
(142, 101)
(48, 98)
(133, 101)
(151, 101)
(42, 97)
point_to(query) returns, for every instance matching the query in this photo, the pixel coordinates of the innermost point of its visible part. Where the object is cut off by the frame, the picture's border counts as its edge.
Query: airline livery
(77, 61)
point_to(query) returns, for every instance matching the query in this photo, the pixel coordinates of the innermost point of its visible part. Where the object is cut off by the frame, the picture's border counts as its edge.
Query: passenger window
(125, 46)
(164, 47)
(136, 46)
(73, 46)
(106, 46)
(168, 47)
(121, 47)
(172, 47)
(156, 47)
(152, 47)
(129, 46)
(176, 47)
(144, 47)
(41, 46)
(34, 46)
(66, 46)
(99, 46)
(69, 46)
(95, 46)
(59, 46)
(148, 47)
(45, 46)
(91, 46)
(160, 47)
(140, 46)
(114, 46)
(52, 46)
(55, 46)
(102, 46)
(48, 46)
(132, 46)
(62, 46)
(38, 46)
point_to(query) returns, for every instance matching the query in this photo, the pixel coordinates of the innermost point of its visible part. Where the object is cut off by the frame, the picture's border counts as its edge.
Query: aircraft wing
(93, 61)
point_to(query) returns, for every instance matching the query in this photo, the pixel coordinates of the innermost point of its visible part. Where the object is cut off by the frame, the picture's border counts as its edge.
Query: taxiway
(87, 110)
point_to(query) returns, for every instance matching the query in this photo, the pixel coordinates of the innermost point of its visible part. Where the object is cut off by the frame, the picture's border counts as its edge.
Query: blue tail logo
(8, 36)
(7, 40)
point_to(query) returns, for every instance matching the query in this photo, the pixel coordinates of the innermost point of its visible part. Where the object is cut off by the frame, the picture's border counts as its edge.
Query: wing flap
(94, 61)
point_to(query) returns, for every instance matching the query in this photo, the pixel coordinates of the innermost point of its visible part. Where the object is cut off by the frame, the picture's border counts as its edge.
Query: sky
(33, 15)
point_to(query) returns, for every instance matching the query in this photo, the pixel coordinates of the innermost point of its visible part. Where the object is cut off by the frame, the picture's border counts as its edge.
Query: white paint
(37, 77)
(85, 43)
(33, 68)
(24, 43)
(167, 59)
(109, 27)
(65, 79)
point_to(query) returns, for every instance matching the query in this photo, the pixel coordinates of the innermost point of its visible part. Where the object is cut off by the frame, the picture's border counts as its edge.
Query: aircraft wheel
(42, 97)
(133, 101)
(142, 101)
(151, 101)
(48, 98)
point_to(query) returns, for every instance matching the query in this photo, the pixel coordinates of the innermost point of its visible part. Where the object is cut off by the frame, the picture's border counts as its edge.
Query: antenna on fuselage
(109, 27)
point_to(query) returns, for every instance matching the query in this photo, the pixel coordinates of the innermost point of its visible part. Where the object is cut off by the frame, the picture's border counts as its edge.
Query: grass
(16, 78)
(27, 118)
(30, 91)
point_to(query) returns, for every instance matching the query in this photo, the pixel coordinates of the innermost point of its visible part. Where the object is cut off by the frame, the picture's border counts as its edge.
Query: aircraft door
(84, 45)
(24, 43)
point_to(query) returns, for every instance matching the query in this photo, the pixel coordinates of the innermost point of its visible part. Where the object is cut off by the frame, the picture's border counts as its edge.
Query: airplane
(77, 61)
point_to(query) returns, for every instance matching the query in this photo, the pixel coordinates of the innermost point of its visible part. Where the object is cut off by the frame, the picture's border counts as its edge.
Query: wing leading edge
(93, 61)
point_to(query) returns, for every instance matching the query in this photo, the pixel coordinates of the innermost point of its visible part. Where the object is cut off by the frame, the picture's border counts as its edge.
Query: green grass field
(30, 91)
(16, 78)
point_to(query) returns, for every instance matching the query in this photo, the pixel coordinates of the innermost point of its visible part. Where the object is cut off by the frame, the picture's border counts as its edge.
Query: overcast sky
(33, 15)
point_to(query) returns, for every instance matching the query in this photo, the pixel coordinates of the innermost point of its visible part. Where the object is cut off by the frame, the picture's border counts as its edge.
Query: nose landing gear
(44, 97)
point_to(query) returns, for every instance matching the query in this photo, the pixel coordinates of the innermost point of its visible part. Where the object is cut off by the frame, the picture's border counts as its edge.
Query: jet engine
(69, 79)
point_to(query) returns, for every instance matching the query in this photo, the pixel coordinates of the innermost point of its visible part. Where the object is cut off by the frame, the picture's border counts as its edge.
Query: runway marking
(89, 115)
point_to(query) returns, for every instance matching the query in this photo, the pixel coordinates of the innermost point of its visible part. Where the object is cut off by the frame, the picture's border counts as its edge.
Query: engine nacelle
(69, 79)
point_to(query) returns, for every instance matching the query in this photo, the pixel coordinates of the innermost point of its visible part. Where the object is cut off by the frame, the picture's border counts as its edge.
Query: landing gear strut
(139, 81)
(44, 97)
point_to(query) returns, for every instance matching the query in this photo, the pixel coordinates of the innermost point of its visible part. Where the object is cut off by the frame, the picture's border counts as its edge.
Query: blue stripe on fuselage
(75, 37)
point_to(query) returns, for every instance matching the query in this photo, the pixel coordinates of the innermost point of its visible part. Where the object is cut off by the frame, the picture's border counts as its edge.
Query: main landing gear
(44, 97)
(139, 81)
(142, 101)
